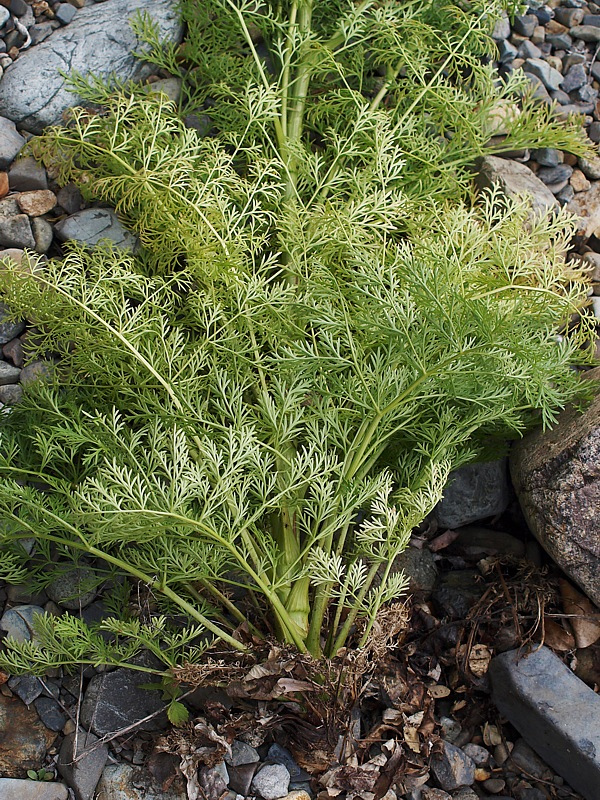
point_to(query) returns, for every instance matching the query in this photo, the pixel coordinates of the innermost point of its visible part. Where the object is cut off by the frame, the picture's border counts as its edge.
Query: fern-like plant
(319, 324)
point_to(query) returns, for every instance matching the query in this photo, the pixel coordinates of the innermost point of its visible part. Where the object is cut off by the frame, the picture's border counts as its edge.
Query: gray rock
(81, 761)
(69, 198)
(73, 589)
(434, 794)
(452, 768)
(64, 13)
(11, 141)
(20, 595)
(528, 50)
(98, 41)
(26, 175)
(213, 780)
(50, 712)
(272, 782)
(592, 19)
(16, 789)
(8, 329)
(477, 753)
(546, 156)
(527, 761)
(556, 178)
(560, 41)
(419, 566)
(474, 492)
(506, 51)
(515, 180)
(590, 167)
(116, 699)
(240, 777)
(241, 753)
(280, 755)
(169, 86)
(457, 591)
(476, 542)
(16, 232)
(40, 32)
(42, 233)
(574, 79)
(501, 29)
(18, 622)
(569, 16)
(124, 782)
(557, 479)
(550, 77)
(4, 16)
(558, 715)
(525, 24)
(26, 687)
(8, 373)
(587, 33)
(36, 371)
(93, 225)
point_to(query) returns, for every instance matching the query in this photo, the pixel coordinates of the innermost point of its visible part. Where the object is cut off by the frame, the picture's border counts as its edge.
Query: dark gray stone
(568, 16)
(550, 77)
(280, 755)
(419, 567)
(546, 156)
(271, 782)
(124, 782)
(587, 33)
(51, 714)
(528, 50)
(43, 234)
(18, 7)
(506, 51)
(64, 13)
(592, 19)
(8, 329)
(36, 371)
(474, 492)
(18, 622)
(93, 225)
(115, 700)
(452, 767)
(575, 78)
(16, 232)
(74, 589)
(552, 176)
(11, 142)
(69, 198)
(557, 479)
(26, 174)
(558, 715)
(40, 32)
(457, 591)
(560, 41)
(525, 24)
(241, 753)
(98, 41)
(83, 774)
(27, 687)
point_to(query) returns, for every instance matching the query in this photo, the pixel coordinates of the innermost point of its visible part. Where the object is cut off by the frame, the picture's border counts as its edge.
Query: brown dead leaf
(491, 735)
(556, 637)
(479, 660)
(288, 685)
(585, 622)
(411, 737)
(437, 692)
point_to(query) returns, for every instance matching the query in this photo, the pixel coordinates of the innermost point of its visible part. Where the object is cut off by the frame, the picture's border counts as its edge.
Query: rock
(43, 233)
(116, 699)
(515, 180)
(419, 566)
(557, 478)
(93, 225)
(451, 767)
(528, 50)
(50, 713)
(550, 77)
(527, 761)
(124, 782)
(13, 350)
(240, 778)
(64, 13)
(13, 789)
(555, 178)
(280, 755)
(501, 29)
(8, 373)
(69, 198)
(556, 712)
(169, 86)
(585, 206)
(579, 182)
(574, 79)
(479, 542)
(241, 753)
(24, 740)
(474, 492)
(98, 41)
(18, 622)
(506, 52)
(271, 782)
(83, 774)
(74, 589)
(547, 157)
(525, 24)
(590, 167)
(40, 32)
(213, 780)
(16, 232)
(467, 794)
(27, 687)
(587, 33)
(36, 203)
(434, 794)
(36, 371)
(569, 17)
(26, 175)
(457, 591)
(477, 753)
(11, 142)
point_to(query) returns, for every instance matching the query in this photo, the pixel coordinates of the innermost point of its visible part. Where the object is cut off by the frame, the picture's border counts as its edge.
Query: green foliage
(319, 324)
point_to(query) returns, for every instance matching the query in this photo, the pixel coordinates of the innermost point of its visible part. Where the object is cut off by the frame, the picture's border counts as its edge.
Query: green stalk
(353, 613)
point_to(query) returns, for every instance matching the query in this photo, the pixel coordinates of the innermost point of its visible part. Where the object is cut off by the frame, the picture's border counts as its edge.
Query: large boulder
(99, 41)
(557, 478)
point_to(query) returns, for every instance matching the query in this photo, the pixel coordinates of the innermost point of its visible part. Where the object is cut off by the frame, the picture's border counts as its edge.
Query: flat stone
(587, 33)
(51, 714)
(8, 373)
(93, 225)
(477, 542)
(14, 789)
(26, 174)
(550, 77)
(74, 589)
(36, 203)
(241, 753)
(451, 767)
(557, 714)
(116, 699)
(43, 233)
(18, 622)
(40, 32)
(474, 492)
(27, 687)
(527, 761)
(16, 232)
(11, 142)
(124, 782)
(515, 180)
(24, 740)
(525, 24)
(271, 782)
(82, 772)
(574, 79)
(557, 479)
(8, 328)
(98, 41)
